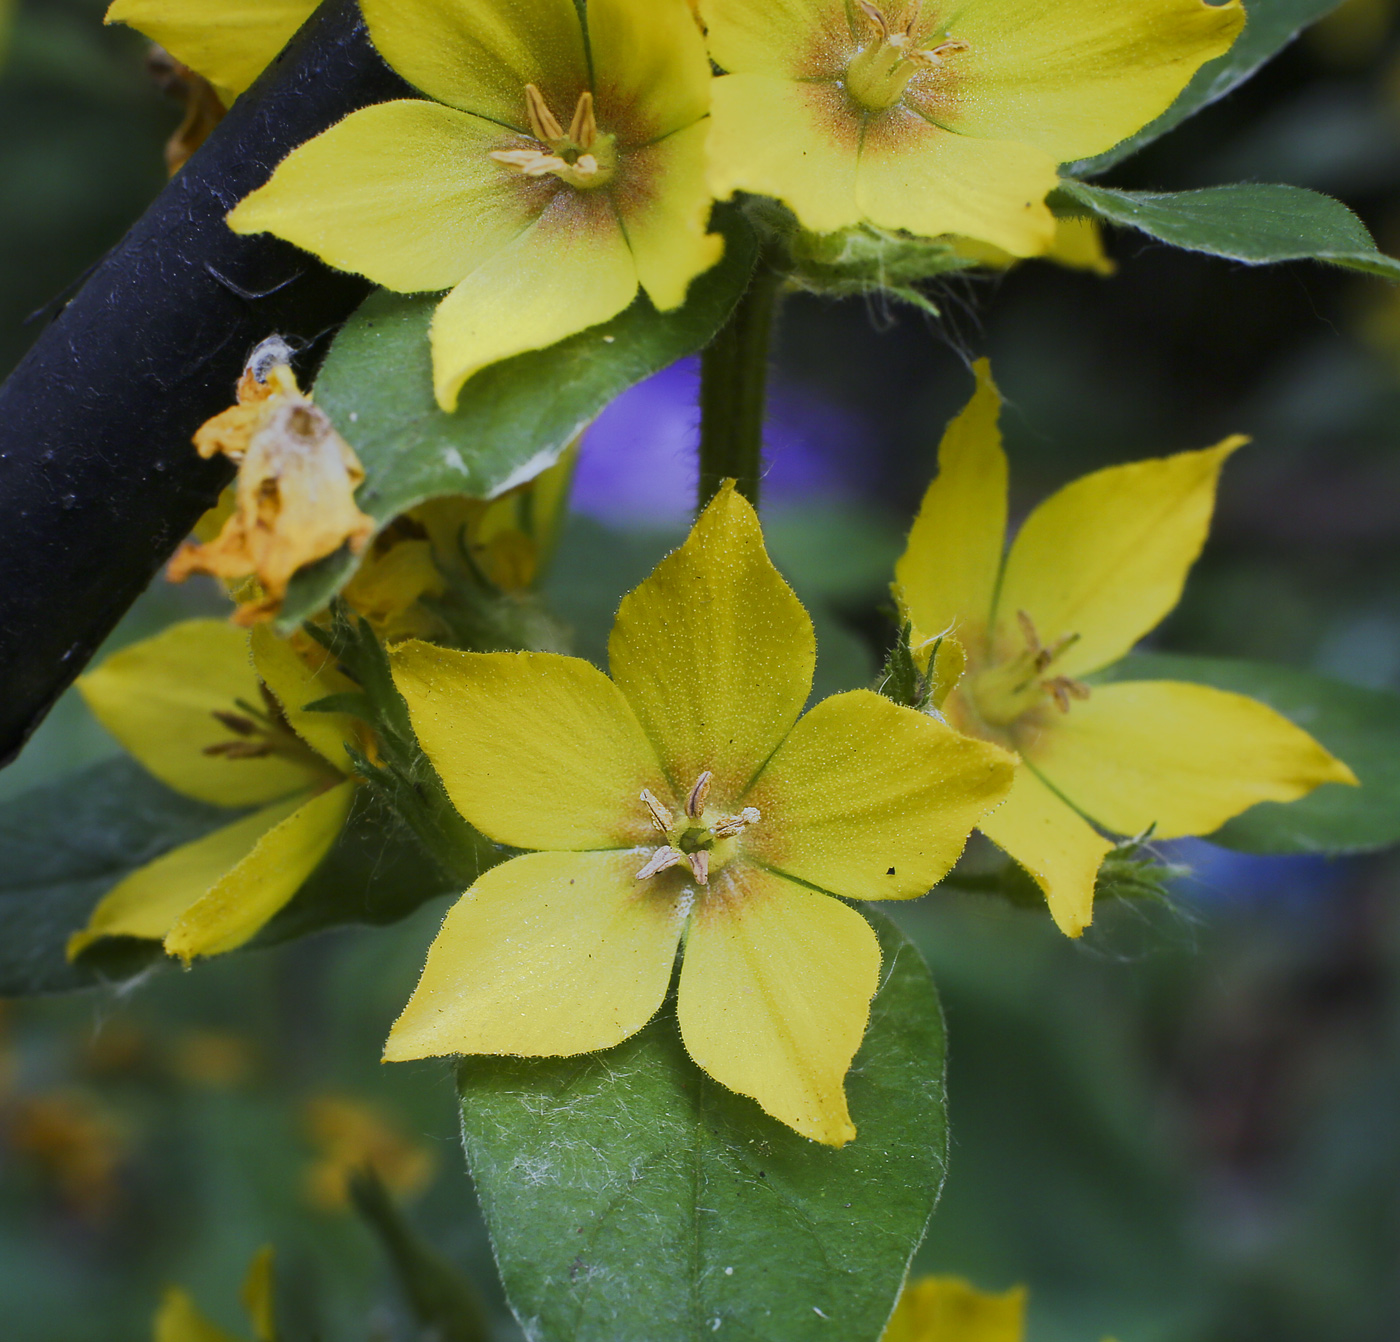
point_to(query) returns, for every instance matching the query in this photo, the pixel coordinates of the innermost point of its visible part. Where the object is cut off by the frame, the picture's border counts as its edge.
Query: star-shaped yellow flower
(1094, 568)
(223, 722)
(935, 117)
(560, 167)
(686, 801)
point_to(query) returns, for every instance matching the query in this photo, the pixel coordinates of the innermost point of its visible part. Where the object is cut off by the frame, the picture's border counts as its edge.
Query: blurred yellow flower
(684, 801)
(178, 1320)
(294, 499)
(78, 1146)
(219, 716)
(559, 167)
(949, 1309)
(352, 1136)
(1092, 570)
(938, 119)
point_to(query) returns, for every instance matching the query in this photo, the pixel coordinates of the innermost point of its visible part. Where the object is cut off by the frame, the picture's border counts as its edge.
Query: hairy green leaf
(1271, 26)
(630, 1198)
(1253, 224)
(513, 419)
(1359, 726)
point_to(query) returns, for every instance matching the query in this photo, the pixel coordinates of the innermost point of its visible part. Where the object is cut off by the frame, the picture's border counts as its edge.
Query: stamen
(1065, 688)
(240, 750)
(695, 803)
(660, 816)
(584, 129)
(934, 55)
(235, 722)
(542, 120)
(700, 865)
(531, 162)
(736, 824)
(1028, 631)
(875, 17)
(661, 860)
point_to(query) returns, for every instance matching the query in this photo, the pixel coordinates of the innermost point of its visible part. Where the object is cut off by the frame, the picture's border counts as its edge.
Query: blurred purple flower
(639, 465)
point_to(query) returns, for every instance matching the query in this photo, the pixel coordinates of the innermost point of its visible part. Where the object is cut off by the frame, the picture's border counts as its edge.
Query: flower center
(881, 70)
(1011, 688)
(582, 156)
(703, 839)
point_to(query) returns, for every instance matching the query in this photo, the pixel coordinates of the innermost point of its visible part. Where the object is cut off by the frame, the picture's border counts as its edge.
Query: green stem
(733, 391)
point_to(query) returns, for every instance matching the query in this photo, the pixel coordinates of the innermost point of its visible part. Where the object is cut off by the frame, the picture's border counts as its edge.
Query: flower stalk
(734, 391)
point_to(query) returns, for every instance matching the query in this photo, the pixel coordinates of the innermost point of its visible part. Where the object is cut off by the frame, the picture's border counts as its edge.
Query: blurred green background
(1186, 1127)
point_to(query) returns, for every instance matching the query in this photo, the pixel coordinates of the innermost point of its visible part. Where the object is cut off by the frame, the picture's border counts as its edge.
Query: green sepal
(1271, 25)
(513, 419)
(1256, 225)
(1360, 726)
(631, 1198)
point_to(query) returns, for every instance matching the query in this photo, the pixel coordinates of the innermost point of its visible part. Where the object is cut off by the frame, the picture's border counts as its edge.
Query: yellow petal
(295, 684)
(797, 142)
(872, 801)
(257, 1295)
(667, 214)
(652, 66)
(946, 579)
(536, 750)
(159, 697)
(948, 1309)
(917, 176)
(403, 193)
(479, 56)
(774, 997)
(789, 39)
(236, 907)
(229, 42)
(1106, 557)
(548, 954)
(714, 652)
(1075, 77)
(178, 1320)
(1182, 757)
(570, 270)
(1055, 844)
(150, 901)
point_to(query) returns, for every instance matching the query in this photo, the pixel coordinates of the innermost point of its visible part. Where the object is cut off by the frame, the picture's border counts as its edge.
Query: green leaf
(513, 419)
(631, 1198)
(68, 843)
(1271, 26)
(1253, 224)
(1359, 726)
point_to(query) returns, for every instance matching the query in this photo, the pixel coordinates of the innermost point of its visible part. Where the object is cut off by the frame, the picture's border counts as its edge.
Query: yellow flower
(191, 707)
(948, 1309)
(937, 118)
(178, 1320)
(1077, 245)
(228, 42)
(1094, 568)
(560, 167)
(683, 801)
(353, 1136)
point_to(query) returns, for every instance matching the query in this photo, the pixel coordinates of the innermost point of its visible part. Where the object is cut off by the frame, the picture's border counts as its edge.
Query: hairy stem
(733, 391)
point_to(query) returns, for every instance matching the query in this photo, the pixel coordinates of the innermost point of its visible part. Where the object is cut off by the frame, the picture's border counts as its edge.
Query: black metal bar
(98, 480)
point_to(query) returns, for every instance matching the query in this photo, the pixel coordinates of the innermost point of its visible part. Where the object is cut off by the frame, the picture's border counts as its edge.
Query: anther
(700, 866)
(660, 861)
(736, 824)
(875, 17)
(1064, 688)
(240, 750)
(584, 129)
(235, 722)
(660, 816)
(695, 803)
(542, 121)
